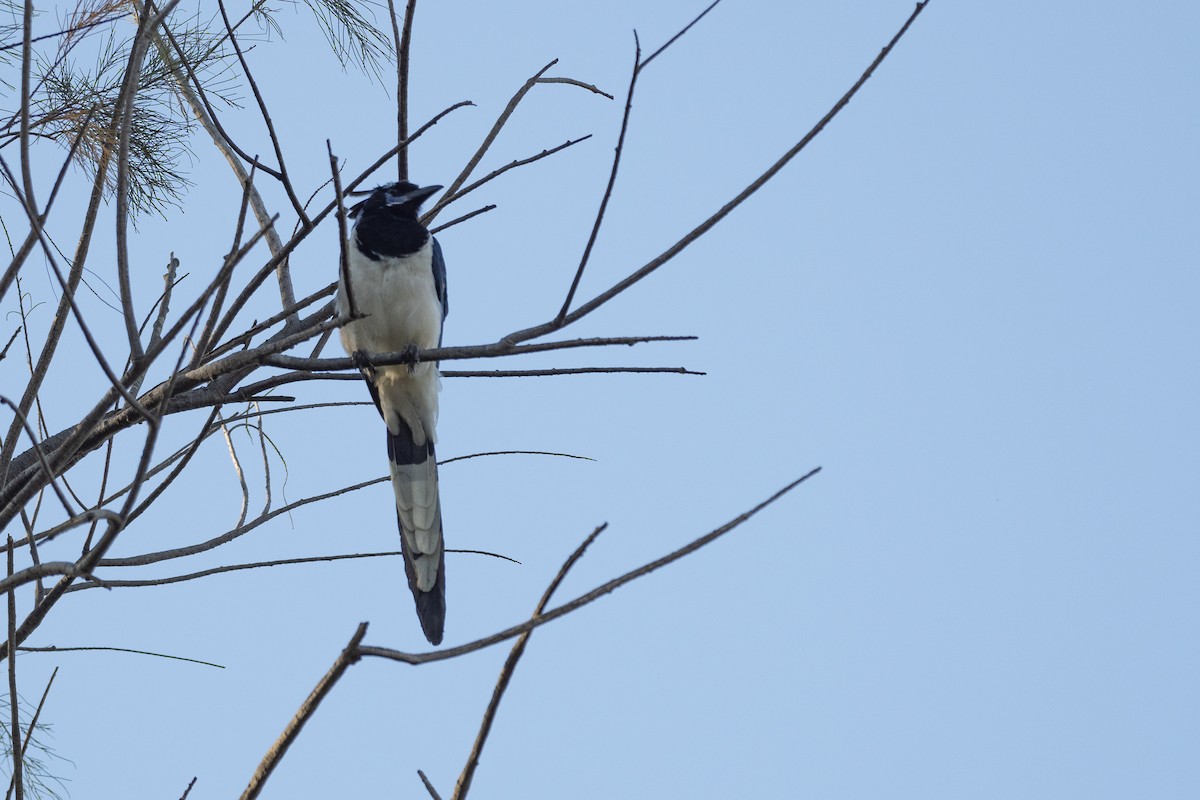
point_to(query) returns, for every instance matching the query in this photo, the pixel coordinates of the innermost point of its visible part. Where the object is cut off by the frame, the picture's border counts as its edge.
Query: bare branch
(205, 573)
(513, 453)
(37, 571)
(463, 218)
(349, 656)
(289, 297)
(453, 192)
(13, 698)
(584, 599)
(55, 649)
(561, 320)
(66, 32)
(343, 234)
(278, 258)
(452, 353)
(510, 665)
(447, 200)
(538, 373)
(123, 116)
(674, 38)
(229, 536)
(29, 731)
(41, 455)
(580, 84)
(403, 44)
(429, 786)
(612, 180)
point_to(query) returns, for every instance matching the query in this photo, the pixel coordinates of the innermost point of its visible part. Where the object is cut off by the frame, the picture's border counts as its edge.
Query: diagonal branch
(560, 321)
(510, 665)
(584, 599)
(266, 116)
(350, 655)
(612, 179)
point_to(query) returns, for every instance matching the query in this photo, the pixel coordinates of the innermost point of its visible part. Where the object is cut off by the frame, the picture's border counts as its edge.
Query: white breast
(400, 300)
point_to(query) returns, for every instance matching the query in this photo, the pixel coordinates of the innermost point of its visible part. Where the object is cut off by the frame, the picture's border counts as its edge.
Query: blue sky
(972, 301)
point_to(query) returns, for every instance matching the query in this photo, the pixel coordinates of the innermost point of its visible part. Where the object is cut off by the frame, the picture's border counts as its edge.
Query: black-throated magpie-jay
(398, 282)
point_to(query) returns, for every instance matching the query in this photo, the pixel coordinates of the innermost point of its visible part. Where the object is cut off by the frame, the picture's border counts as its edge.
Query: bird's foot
(360, 359)
(412, 356)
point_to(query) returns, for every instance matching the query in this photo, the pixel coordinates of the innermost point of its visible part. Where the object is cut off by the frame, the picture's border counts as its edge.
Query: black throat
(384, 233)
(387, 222)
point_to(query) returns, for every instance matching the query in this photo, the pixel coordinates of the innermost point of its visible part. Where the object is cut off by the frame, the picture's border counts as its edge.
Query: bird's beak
(416, 195)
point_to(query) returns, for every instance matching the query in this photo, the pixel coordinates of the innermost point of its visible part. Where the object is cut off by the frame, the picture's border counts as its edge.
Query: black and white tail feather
(398, 280)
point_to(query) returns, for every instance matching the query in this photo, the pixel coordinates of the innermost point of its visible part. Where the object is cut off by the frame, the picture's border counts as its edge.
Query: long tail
(419, 511)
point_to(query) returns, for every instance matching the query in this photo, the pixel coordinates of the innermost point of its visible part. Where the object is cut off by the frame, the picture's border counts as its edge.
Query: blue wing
(439, 284)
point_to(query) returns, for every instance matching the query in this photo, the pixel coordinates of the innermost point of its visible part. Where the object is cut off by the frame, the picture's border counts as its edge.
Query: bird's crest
(391, 195)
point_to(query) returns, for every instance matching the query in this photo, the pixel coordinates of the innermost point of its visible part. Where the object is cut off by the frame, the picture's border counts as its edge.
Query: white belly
(400, 300)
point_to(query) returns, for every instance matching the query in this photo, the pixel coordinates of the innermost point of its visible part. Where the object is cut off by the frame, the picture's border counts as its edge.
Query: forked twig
(584, 599)
(561, 320)
(453, 191)
(510, 665)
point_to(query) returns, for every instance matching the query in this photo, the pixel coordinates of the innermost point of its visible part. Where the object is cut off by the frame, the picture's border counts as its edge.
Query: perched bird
(398, 281)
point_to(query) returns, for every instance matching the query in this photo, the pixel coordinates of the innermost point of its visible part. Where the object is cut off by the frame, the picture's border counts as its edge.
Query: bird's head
(402, 199)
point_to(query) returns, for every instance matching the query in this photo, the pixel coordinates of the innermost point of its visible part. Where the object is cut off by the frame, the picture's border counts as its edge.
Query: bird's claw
(363, 363)
(412, 356)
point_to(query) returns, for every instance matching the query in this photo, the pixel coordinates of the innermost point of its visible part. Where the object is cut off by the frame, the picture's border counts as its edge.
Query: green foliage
(39, 781)
(75, 96)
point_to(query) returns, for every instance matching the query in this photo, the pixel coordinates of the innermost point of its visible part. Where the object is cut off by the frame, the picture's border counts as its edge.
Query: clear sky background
(972, 301)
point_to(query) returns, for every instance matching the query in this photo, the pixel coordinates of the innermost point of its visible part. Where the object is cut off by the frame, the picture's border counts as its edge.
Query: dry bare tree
(162, 83)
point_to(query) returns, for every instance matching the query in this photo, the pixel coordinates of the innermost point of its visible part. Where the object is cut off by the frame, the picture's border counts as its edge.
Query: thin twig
(29, 731)
(55, 649)
(245, 336)
(343, 234)
(66, 32)
(510, 166)
(51, 478)
(450, 353)
(510, 665)
(192, 576)
(285, 251)
(350, 655)
(513, 453)
(229, 536)
(239, 473)
(457, 183)
(429, 786)
(124, 119)
(11, 339)
(541, 373)
(580, 84)
(463, 218)
(560, 321)
(674, 38)
(197, 98)
(206, 341)
(612, 180)
(266, 117)
(403, 44)
(584, 599)
(13, 699)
